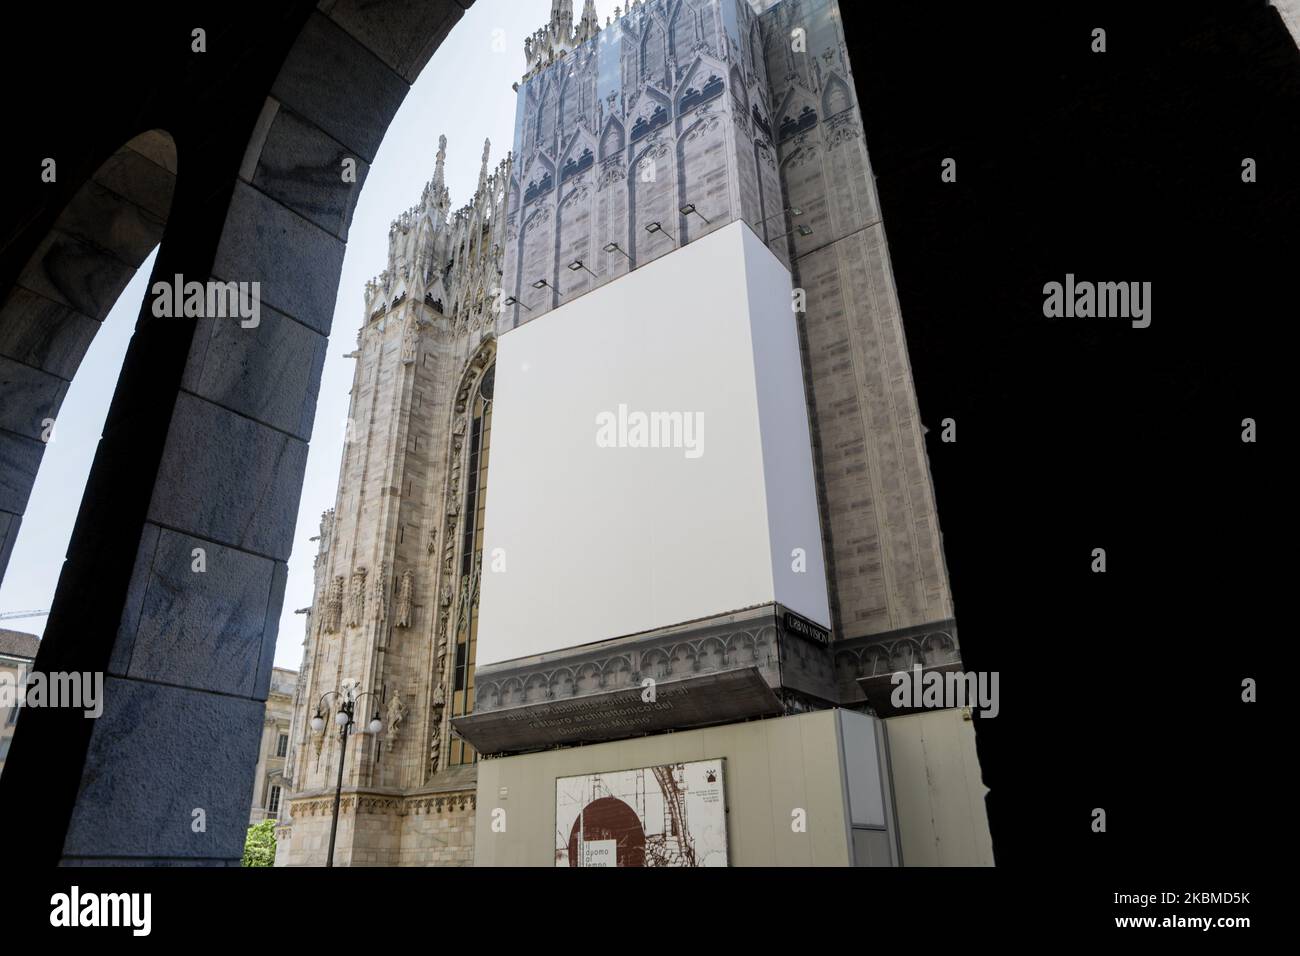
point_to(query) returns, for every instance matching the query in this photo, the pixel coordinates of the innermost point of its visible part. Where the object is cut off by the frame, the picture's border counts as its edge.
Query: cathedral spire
(483, 169)
(439, 172)
(589, 25)
(553, 40)
(561, 17)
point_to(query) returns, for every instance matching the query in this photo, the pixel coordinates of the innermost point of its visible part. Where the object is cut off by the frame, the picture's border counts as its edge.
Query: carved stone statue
(357, 612)
(396, 714)
(435, 747)
(381, 593)
(409, 341)
(441, 663)
(404, 595)
(334, 606)
(326, 529)
(323, 539)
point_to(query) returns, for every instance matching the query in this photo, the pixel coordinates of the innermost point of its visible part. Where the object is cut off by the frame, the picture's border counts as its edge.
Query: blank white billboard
(650, 460)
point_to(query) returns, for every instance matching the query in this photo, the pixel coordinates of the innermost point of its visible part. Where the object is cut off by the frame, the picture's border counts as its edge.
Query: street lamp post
(345, 724)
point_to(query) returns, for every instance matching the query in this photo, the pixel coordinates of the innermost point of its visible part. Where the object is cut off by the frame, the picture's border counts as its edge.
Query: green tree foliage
(259, 845)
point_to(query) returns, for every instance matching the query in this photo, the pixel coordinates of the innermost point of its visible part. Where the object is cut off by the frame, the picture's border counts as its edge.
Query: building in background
(394, 610)
(17, 651)
(269, 789)
(663, 343)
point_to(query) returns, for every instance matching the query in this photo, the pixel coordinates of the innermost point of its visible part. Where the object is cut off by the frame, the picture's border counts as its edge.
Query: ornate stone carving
(435, 743)
(381, 592)
(396, 714)
(613, 171)
(357, 608)
(325, 536)
(334, 606)
(404, 596)
(879, 655)
(409, 341)
(706, 128)
(449, 545)
(669, 657)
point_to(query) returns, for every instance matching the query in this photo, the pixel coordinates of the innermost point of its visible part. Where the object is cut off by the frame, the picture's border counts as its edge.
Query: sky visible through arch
(464, 93)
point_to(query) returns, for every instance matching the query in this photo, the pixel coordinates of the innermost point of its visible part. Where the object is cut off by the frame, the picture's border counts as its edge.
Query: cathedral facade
(395, 584)
(679, 136)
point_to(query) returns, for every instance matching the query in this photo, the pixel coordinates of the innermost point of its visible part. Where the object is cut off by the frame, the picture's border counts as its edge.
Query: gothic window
(738, 90)
(546, 120)
(706, 15)
(530, 128)
(462, 673)
(837, 96)
(612, 141)
(570, 107)
(654, 56)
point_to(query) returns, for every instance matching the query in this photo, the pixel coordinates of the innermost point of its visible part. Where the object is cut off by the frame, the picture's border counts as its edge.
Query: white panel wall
(601, 542)
(793, 521)
(938, 790)
(771, 767)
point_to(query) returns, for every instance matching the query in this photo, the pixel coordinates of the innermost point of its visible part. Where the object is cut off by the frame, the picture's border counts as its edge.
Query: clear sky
(465, 93)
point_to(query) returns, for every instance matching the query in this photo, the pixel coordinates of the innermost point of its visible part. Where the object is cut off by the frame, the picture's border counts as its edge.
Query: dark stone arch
(64, 292)
(205, 442)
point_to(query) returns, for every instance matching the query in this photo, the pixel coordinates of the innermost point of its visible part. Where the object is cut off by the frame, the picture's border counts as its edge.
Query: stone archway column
(204, 451)
(53, 312)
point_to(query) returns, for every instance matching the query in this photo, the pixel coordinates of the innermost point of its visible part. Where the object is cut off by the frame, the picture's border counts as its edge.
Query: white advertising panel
(651, 463)
(670, 815)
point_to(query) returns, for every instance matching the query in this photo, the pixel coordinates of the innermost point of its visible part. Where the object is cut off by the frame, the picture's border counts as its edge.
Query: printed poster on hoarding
(671, 815)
